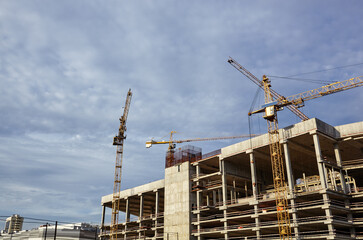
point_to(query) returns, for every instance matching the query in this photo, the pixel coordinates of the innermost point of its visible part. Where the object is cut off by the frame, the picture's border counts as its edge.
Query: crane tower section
(118, 140)
(278, 172)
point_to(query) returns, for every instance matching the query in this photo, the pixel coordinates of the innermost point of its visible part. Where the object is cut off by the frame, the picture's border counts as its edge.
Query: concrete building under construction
(229, 193)
(14, 224)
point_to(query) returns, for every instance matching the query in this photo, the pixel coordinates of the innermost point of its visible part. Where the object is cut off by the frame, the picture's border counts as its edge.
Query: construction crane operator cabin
(299, 182)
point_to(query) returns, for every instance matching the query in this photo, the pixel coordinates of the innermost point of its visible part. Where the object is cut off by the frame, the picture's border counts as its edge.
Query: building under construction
(229, 193)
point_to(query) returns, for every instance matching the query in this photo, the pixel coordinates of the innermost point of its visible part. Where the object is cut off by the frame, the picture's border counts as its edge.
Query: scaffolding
(186, 153)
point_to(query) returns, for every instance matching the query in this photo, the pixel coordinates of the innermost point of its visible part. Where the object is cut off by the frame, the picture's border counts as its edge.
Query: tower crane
(118, 140)
(259, 83)
(274, 103)
(270, 108)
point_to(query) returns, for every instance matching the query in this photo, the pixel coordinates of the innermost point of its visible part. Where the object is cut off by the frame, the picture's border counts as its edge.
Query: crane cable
(250, 116)
(328, 69)
(318, 81)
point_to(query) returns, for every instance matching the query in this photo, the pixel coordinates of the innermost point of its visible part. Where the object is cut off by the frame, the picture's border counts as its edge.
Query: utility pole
(46, 230)
(55, 230)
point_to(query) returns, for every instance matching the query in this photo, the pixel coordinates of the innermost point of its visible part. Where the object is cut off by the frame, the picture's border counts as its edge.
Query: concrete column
(291, 183)
(157, 195)
(294, 217)
(127, 216)
(337, 154)
(141, 212)
(350, 220)
(103, 218)
(339, 163)
(319, 161)
(224, 183)
(127, 211)
(197, 169)
(328, 214)
(253, 173)
(257, 221)
(225, 224)
(156, 211)
(141, 206)
(224, 195)
(290, 175)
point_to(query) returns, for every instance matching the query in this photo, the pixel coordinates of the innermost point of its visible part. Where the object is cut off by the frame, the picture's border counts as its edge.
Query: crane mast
(278, 172)
(118, 140)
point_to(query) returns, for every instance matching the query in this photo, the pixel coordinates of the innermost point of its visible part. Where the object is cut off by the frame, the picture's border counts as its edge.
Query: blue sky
(66, 66)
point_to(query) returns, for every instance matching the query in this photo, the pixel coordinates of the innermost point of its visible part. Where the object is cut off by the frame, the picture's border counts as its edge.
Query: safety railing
(207, 184)
(150, 216)
(352, 162)
(194, 175)
(302, 235)
(306, 220)
(356, 205)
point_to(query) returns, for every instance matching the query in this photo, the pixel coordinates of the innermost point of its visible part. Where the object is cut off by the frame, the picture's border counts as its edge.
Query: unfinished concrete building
(228, 194)
(14, 224)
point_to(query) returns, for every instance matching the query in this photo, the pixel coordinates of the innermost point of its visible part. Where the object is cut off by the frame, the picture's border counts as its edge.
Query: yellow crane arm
(171, 142)
(259, 83)
(299, 98)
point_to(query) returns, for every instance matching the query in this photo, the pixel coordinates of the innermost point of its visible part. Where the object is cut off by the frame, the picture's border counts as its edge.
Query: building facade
(80, 231)
(228, 194)
(13, 224)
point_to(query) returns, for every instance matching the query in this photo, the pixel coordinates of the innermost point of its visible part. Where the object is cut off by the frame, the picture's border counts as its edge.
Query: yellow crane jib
(299, 99)
(324, 90)
(172, 142)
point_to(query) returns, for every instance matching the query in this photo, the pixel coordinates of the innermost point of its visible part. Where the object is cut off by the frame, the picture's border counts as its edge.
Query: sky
(66, 67)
